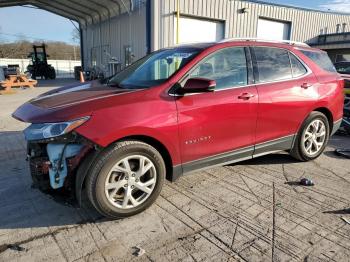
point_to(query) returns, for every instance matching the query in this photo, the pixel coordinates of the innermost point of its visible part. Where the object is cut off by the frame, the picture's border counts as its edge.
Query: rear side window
(298, 69)
(273, 64)
(321, 59)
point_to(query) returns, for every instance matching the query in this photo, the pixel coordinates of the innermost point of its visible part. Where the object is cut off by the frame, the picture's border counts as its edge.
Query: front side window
(298, 69)
(154, 69)
(228, 67)
(273, 64)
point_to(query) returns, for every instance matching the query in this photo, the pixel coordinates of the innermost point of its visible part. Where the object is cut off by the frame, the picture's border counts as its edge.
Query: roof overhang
(83, 11)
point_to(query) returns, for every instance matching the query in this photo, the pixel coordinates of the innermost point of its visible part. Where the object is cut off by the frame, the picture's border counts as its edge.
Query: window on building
(94, 51)
(298, 69)
(338, 29)
(342, 57)
(344, 28)
(128, 55)
(321, 59)
(325, 30)
(228, 67)
(321, 31)
(273, 64)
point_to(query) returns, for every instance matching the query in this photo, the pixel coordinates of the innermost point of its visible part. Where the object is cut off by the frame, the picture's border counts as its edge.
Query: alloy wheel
(130, 181)
(314, 137)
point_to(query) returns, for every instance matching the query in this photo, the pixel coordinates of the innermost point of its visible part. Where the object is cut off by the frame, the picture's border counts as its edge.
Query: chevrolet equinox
(178, 110)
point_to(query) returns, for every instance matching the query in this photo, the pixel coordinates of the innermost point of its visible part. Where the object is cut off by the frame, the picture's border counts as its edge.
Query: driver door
(218, 127)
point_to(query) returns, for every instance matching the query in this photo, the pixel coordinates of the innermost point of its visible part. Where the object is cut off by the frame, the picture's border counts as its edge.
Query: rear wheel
(312, 137)
(126, 179)
(52, 74)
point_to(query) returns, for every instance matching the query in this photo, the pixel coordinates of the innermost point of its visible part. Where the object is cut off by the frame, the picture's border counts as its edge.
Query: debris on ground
(343, 152)
(16, 247)
(138, 251)
(346, 220)
(307, 182)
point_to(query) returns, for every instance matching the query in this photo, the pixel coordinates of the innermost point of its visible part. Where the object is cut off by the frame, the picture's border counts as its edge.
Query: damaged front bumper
(54, 162)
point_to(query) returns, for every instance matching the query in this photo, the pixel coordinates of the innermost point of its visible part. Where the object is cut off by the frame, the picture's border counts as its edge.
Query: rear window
(321, 59)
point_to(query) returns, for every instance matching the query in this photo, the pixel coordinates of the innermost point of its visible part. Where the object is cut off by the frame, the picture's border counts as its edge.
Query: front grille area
(39, 170)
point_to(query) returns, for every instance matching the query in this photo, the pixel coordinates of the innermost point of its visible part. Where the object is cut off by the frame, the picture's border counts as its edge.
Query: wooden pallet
(16, 81)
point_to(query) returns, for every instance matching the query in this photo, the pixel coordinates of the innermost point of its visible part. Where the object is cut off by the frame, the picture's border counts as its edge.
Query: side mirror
(198, 85)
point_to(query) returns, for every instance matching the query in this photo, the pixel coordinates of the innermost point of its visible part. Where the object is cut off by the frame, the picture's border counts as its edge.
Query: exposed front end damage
(54, 162)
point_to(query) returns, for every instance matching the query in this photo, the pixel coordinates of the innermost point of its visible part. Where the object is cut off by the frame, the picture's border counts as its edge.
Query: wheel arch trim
(172, 171)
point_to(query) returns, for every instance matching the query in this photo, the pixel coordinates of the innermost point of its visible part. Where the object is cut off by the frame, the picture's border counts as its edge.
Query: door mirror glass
(198, 85)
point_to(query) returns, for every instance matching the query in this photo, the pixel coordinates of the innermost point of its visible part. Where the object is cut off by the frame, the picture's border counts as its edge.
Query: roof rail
(265, 40)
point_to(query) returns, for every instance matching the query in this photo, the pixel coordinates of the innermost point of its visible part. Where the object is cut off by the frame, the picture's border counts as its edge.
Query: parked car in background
(178, 110)
(343, 68)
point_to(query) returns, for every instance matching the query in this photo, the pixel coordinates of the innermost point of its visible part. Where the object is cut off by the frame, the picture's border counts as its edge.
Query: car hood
(75, 94)
(68, 102)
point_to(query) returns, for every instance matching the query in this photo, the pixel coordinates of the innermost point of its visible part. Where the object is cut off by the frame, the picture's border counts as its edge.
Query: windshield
(154, 69)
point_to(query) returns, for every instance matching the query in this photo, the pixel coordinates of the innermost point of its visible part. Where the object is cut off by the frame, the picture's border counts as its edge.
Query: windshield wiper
(112, 84)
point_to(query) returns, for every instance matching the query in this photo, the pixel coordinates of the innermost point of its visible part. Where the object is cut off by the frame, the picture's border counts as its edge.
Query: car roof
(196, 45)
(286, 44)
(267, 42)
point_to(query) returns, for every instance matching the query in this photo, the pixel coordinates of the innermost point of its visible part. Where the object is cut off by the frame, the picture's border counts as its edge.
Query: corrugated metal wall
(113, 35)
(306, 25)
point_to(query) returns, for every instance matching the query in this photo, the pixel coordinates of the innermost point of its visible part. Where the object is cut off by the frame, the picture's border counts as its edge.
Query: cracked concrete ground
(221, 214)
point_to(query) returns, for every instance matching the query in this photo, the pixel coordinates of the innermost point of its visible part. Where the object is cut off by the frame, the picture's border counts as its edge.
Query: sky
(22, 22)
(333, 5)
(33, 24)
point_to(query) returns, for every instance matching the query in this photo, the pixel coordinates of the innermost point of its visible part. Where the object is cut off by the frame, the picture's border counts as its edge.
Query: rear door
(287, 92)
(216, 127)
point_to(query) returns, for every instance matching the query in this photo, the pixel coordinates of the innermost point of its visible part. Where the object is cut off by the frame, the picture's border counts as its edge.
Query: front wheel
(126, 179)
(312, 137)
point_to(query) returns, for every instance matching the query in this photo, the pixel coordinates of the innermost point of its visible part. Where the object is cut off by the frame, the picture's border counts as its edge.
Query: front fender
(168, 137)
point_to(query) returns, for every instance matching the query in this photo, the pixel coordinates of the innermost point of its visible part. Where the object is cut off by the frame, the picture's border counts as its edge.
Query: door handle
(305, 85)
(246, 96)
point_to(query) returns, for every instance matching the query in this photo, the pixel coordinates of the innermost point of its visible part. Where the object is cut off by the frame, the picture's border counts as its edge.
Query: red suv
(178, 110)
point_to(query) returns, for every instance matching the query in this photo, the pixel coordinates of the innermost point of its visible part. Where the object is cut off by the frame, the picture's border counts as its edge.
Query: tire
(52, 74)
(109, 190)
(301, 144)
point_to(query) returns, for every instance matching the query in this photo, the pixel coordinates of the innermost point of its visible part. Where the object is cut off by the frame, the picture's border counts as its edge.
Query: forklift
(39, 66)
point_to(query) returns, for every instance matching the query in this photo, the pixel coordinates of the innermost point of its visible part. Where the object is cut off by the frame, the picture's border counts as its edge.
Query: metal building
(125, 30)
(151, 25)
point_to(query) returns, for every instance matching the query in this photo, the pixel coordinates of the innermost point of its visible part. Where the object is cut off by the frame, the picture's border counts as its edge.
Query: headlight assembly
(49, 130)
